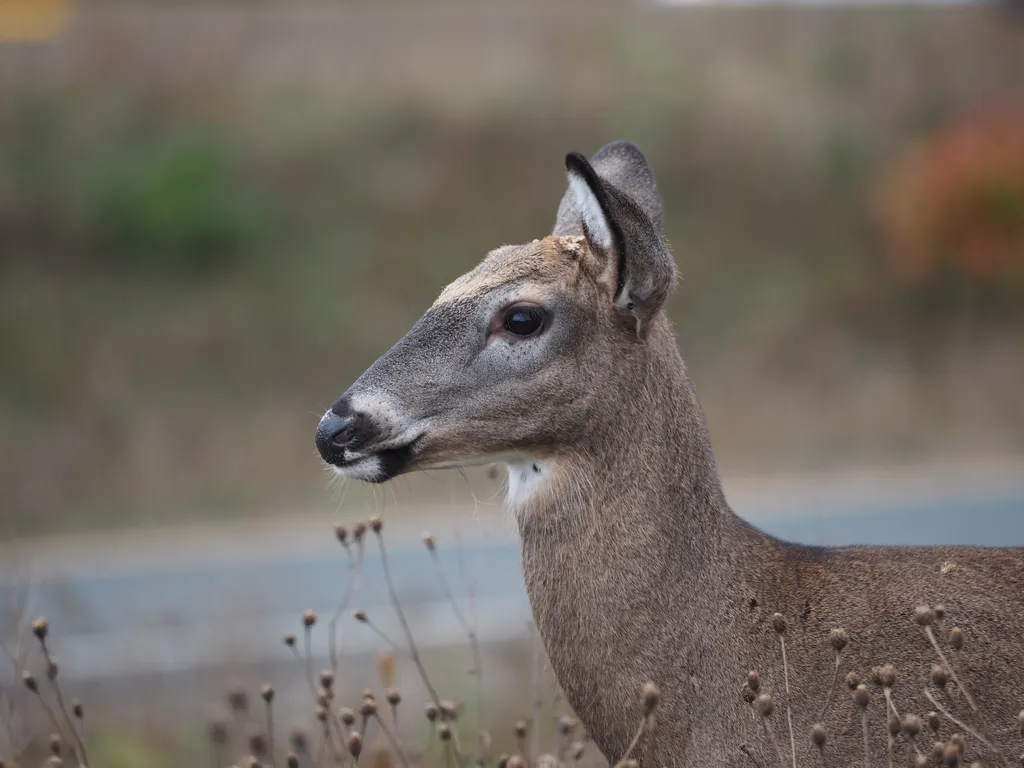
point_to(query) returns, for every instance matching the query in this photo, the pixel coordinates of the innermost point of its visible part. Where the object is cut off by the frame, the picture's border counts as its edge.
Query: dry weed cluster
(355, 734)
(937, 687)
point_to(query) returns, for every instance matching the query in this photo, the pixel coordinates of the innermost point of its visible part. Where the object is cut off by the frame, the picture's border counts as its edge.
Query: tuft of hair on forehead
(549, 260)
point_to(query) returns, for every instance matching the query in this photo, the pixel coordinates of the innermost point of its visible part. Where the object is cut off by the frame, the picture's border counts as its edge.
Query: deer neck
(627, 537)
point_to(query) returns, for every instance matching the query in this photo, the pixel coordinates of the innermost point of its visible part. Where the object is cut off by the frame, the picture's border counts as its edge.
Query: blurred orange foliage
(954, 205)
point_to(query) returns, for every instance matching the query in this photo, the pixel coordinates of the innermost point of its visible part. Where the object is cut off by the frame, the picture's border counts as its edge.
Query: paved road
(193, 597)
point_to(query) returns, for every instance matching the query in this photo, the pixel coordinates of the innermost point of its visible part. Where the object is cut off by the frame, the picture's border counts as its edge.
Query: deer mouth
(378, 465)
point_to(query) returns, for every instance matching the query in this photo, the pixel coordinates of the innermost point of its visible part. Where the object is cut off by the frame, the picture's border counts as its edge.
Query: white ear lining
(590, 209)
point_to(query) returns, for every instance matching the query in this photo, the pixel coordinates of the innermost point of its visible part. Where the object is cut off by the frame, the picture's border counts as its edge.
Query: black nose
(335, 432)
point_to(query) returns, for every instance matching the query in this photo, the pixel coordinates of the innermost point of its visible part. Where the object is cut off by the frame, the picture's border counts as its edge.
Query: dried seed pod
(934, 721)
(40, 628)
(326, 679)
(52, 669)
(894, 725)
(939, 675)
(292, 760)
(238, 700)
(956, 638)
(309, 619)
(502, 760)
(289, 640)
(428, 542)
(938, 750)
(355, 744)
(565, 725)
(924, 616)
(77, 709)
(516, 761)
(55, 744)
(576, 750)
(29, 681)
(430, 710)
(940, 612)
(818, 735)
(258, 744)
(520, 729)
(911, 725)
(368, 707)
(394, 697)
(449, 709)
(217, 732)
(748, 695)
(346, 715)
(765, 705)
(341, 534)
(444, 732)
(754, 680)
(779, 623)
(650, 697)
(299, 741)
(376, 524)
(838, 639)
(358, 531)
(267, 693)
(321, 713)
(920, 761)
(951, 757)
(957, 740)
(887, 675)
(862, 696)
(852, 680)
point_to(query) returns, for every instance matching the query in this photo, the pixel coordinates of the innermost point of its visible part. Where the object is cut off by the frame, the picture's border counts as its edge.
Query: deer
(556, 359)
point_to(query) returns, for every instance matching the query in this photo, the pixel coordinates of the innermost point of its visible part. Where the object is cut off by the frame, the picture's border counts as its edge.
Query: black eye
(523, 321)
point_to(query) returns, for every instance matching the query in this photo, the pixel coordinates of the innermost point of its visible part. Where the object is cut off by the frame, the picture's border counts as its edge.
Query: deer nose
(335, 432)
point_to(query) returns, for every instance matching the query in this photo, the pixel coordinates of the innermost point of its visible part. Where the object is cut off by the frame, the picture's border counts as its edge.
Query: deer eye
(523, 321)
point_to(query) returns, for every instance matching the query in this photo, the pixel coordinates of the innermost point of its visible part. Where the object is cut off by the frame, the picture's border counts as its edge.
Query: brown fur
(636, 567)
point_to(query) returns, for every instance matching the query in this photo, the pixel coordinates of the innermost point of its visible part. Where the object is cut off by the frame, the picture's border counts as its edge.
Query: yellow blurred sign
(32, 20)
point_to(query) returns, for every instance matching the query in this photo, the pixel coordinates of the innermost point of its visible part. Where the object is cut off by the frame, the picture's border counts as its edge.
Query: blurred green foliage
(173, 208)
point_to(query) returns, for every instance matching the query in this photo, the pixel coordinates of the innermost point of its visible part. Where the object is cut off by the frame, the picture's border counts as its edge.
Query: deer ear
(620, 229)
(587, 193)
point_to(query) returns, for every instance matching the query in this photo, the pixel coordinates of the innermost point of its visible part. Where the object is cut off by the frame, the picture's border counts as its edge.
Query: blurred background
(215, 215)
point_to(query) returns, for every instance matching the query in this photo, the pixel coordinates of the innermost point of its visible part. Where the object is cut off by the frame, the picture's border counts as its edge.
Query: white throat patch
(525, 478)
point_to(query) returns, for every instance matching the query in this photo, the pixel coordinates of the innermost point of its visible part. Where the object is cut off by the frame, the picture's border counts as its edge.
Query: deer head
(527, 355)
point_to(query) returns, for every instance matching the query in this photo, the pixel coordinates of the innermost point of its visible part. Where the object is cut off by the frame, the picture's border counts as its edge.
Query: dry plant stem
(952, 670)
(332, 722)
(636, 739)
(413, 650)
(831, 688)
(270, 732)
(355, 578)
(470, 633)
(54, 721)
(746, 751)
(393, 739)
(383, 636)
(887, 692)
(55, 684)
(960, 724)
(864, 726)
(789, 709)
(537, 701)
(769, 733)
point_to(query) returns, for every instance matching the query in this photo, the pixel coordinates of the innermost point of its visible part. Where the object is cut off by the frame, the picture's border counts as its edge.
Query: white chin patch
(367, 468)
(525, 478)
